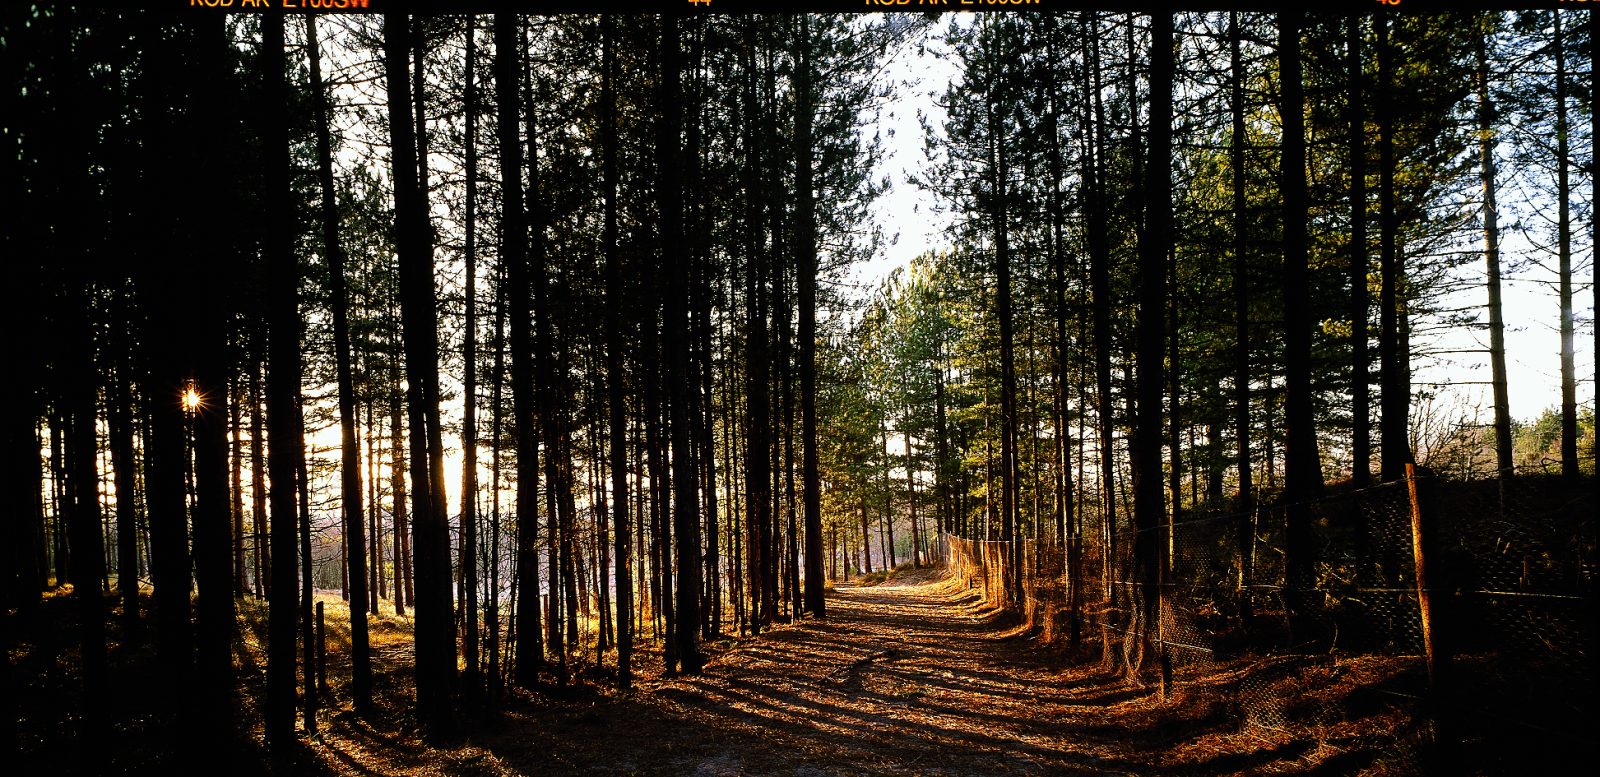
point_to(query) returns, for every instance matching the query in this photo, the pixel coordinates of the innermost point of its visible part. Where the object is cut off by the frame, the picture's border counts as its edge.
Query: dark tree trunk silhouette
(213, 521)
(1491, 257)
(400, 513)
(1594, 197)
(283, 384)
(78, 389)
(308, 623)
(241, 583)
(1393, 357)
(435, 625)
(676, 347)
(529, 645)
(1001, 226)
(258, 464)
(806, 281)
(1100, 292)
(552, 410)
(469, 359)
(1569, 391)
(350, 452)
(617, 410)
(119, 422)
(1302, 466)
(758, 445)
(1360, 302)
(1246, 528)
(165, 381)
(1154, 245)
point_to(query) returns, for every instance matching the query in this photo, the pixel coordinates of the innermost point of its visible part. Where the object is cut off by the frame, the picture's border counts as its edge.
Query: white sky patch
(913, 225)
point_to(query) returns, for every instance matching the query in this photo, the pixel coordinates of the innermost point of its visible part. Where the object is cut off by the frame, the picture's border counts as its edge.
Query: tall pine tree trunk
(806, 273)
(1302, 465)
(617, 410)
(1100, 291)
(1246, 528)
(283, 384)
(757, 415)
(998, 183)
(213, 520)
(349, 450)
(676, 347)
(435, 625)
(1393, 356)
(469, 358)
(1569, 391)
(529, 646)
(119, 422)
(1155, 244)
(1491, 257)
(1360, 371)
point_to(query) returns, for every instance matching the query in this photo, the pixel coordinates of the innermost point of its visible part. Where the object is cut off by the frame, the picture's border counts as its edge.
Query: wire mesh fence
(1506, 611)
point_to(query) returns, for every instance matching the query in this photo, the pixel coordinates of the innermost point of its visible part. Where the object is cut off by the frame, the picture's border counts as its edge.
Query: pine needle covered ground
(908, 676)
(912, 676)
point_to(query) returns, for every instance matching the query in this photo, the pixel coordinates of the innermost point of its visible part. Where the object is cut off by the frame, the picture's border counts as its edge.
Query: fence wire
(1510, 570)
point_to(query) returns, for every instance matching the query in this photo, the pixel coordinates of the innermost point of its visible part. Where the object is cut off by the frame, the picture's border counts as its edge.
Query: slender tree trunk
(757, 478)
(435, 632)
(308, 623)
(349, 449)
(213, 536)
(1360, 302)
(241, 583)
(469, 356)
(911, 501)
(283, 384)
(1594, 199)
(492, 616)
(375, 579)
(1395, 375)
(551, 402)
(1061, 463)
(1154, 247)
(258, 467)
(529, 646)
(806, 264)
(1302, 465)
(888, 491)
(999, 174)
(866, 537)
(1569, 392)
(676, 345)
(119, 422)
(1100, 290)
(77, 393)
(614, 376)
(397, 473)
(773, 573)
(1247, 507)
(1491, 256)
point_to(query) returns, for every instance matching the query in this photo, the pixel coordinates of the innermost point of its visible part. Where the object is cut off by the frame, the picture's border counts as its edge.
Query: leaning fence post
(322, 652)
(1437, 705)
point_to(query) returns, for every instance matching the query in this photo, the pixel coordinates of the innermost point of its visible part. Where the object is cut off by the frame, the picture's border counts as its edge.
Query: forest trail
(910, 677)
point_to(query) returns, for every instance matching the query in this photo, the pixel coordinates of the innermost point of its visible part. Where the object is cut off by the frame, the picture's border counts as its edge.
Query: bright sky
(912, 225)
(1532, 340)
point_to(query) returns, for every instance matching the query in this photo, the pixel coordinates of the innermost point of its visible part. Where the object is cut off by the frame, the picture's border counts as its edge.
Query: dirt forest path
(911, 677)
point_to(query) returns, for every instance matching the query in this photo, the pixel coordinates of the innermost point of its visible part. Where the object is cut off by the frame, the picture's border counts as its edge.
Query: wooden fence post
(1423, 546)
(322, 651)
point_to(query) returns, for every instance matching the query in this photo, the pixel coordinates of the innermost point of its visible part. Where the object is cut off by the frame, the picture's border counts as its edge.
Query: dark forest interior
(514, 394)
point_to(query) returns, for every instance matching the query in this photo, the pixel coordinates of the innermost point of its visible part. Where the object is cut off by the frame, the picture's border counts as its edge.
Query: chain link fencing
(1507, 612)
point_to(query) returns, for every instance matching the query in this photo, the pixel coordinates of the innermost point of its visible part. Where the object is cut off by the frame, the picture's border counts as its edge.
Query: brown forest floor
(911, 677)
